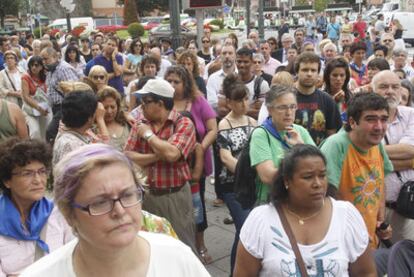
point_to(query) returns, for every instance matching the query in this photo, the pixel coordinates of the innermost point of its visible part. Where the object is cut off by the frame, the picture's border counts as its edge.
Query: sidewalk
(218, 236)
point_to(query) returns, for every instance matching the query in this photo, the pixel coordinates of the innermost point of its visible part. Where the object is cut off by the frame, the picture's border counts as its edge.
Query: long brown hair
(110, 92)
(190, 88)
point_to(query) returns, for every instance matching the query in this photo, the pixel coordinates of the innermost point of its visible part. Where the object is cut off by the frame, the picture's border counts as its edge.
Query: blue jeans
(239, 215)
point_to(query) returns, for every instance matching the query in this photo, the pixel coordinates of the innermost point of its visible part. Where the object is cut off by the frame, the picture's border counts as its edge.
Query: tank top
(7, 129)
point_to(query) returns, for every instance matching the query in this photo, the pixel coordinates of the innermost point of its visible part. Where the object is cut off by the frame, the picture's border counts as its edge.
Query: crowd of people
(125, 136)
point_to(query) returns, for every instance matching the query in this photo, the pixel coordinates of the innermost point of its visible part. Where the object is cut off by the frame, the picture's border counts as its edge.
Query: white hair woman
(99, 194)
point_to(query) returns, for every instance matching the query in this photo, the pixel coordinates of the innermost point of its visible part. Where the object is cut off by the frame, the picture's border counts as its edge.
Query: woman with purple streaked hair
(99, 193)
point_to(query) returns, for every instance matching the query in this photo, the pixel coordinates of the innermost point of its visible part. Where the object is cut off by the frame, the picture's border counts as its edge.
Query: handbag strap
(11, 82)
(292, 240)
(396, 172)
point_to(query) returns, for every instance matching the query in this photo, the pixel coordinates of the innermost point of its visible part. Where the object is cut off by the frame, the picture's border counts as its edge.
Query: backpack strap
(257, 84)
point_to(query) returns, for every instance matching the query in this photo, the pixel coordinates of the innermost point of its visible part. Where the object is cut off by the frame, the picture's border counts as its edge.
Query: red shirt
(178, 131)
(33, 84)
(360, 27)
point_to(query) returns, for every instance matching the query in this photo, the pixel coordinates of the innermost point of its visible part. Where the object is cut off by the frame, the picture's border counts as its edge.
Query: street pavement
(218, 236)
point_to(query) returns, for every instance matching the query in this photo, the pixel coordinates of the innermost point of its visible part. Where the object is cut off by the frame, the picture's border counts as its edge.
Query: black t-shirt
(87, 57)
(206, 57)
(317, 113)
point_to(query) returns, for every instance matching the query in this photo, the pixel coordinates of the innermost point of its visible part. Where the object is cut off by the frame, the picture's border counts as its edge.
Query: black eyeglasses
(104, 206)
(98, 77)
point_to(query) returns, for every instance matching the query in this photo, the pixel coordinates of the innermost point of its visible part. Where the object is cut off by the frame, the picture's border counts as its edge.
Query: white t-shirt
(264, 88)
(264, 238)
(169, 257)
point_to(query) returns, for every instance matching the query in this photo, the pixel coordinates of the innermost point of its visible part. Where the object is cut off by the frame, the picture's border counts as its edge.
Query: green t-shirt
(359, 176)
(261, 150)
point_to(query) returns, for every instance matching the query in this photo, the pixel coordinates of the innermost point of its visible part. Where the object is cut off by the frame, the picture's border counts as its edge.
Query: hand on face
(292, 137)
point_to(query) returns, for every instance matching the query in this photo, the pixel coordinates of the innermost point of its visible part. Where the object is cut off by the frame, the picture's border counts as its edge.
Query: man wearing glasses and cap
(160, 143)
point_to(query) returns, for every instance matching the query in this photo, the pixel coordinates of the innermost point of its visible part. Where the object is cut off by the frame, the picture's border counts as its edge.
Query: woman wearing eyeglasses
(99, 194)
(35, 101)
(30, 225)
(278, 134)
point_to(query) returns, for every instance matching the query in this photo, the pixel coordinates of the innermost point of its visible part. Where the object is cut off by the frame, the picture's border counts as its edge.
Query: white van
(60, 23)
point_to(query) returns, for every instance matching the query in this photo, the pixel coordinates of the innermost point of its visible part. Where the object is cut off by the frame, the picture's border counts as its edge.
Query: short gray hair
(287, 36)
(399, 51)
(276, 91)
(258, 56)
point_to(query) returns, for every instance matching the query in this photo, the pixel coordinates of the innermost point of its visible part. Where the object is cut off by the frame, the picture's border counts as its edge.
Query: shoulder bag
(405, 201)
(292, 240)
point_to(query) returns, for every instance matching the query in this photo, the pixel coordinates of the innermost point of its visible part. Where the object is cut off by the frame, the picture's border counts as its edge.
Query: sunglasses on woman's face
(98, 77)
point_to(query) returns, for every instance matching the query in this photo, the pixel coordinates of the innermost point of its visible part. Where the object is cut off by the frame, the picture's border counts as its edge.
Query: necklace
(302, 220)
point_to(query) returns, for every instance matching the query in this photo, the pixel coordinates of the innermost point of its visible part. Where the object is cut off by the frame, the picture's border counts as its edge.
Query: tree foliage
(8, 7)
(146, 6)
(320, 5)
(130, 12)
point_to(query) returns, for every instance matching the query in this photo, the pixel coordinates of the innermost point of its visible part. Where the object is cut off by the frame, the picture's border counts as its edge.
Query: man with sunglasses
(160, 143)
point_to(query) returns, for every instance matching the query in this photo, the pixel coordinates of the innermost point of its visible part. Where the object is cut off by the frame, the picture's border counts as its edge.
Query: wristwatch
(147, 135)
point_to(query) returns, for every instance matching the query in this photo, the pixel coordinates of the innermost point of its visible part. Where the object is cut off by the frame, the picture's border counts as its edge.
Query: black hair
(409, 86)
(132, 46)
(77, 107)
(244, 51)
(382, 48)
(16, 152)
(288, 166)
(307, 57)
(337, 63)
(234, 88)
(361, 102)
(69, 49)
(38, 60)
(400, 71)
(168, 102)
(378, 63)
(149, 59)
(2, 40)
(355, 46)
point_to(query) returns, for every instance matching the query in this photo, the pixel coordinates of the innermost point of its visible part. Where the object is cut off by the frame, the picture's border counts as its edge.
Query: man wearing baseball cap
(160, 143)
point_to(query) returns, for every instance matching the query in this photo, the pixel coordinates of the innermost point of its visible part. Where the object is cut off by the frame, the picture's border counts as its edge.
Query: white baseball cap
(158, 87)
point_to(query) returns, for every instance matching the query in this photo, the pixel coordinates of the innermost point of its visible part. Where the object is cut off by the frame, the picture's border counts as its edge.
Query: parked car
(164, 31)
(151, 22)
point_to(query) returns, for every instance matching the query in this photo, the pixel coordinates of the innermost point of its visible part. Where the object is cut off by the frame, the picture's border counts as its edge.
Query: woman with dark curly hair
(136, 52)
(188, 98)
(73, 57)
(336, 77)
(115, 121)
(35, 102)
(190, 62)
(30, 225)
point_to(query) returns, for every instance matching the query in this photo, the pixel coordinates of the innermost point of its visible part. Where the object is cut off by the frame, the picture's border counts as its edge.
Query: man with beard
(57, 71)
(112, 62)
(255, 84)
(215, 81)
(399, 145)
(357, 162)
(317, 111)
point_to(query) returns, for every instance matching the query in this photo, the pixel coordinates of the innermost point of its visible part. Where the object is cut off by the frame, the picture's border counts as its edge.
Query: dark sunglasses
(98, 77)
